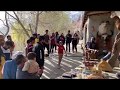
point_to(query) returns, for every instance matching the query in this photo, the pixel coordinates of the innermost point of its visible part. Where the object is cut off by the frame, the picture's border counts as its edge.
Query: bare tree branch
(2, 33)
(3, 22)
(31, 29)
(7, 25)
(37, 20)
(11, 15)
(14, 27)
(18, 20)
(21, 24)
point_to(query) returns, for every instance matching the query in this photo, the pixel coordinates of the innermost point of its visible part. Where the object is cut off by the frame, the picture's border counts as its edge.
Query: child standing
(31, 66)
(61, 50)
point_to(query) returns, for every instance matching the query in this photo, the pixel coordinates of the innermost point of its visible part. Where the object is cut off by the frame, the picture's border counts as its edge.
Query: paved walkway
(51, 71)
(68, 62)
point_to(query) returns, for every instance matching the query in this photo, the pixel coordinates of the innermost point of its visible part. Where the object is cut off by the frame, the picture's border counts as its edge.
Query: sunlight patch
(46, 76)
(46, 71)
(66, 64)
(48, 62)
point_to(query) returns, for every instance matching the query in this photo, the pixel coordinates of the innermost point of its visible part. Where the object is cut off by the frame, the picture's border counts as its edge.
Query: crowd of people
(31, 64)
(6, 49)
(53, 43)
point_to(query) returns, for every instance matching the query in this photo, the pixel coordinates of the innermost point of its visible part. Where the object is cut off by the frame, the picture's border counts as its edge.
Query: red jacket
(60, 49)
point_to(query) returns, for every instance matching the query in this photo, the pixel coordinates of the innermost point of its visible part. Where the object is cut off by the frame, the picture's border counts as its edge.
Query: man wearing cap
(116, 46)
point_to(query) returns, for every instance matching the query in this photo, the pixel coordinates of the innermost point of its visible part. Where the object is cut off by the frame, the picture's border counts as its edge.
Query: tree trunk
(21, 24)
(7, 25)
(37, 20)
(31, 29)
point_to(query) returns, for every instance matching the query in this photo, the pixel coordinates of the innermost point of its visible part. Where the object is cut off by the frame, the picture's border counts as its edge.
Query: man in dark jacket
(68, 40)
(46, 42)
(39, 50)
(62, 38)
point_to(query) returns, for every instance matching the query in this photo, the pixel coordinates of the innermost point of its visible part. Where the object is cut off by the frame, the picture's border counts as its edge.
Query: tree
(31, 21)
(19, 18)
(54, 21)
(6, 24)
(25, 23)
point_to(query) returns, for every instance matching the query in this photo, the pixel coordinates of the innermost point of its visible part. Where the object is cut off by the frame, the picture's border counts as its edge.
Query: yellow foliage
(53, 21)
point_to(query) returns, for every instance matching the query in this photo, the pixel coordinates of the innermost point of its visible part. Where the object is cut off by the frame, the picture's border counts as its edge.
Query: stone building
(91, 23)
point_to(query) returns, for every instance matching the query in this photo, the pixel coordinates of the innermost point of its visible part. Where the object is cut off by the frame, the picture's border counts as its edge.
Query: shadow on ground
(68, 62)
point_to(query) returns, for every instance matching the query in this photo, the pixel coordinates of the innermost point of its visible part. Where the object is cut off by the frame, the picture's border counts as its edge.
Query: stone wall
(95, 20)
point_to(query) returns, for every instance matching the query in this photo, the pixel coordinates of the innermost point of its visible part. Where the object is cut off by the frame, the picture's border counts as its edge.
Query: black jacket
(62, 38)
(68, 38)
(39, 50)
